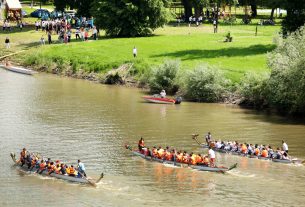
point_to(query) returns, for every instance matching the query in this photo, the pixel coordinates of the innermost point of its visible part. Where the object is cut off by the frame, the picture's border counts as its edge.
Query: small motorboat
(18, 69)
(160, 100)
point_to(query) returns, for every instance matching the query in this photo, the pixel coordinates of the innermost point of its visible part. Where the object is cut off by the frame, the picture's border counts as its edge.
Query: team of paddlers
(177, 156)
(33, 161)
(265, 151)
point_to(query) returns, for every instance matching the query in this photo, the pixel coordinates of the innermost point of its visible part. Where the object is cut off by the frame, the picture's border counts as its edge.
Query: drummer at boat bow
(141, 144)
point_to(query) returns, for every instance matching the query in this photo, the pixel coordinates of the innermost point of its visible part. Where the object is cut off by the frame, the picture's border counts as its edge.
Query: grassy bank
(193, 46)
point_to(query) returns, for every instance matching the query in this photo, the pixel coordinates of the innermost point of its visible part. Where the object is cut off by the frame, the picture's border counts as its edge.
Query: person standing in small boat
(212, 157)
(141, 144)
(163, 94)
(22, 157)
(285, 146)
(81, 169)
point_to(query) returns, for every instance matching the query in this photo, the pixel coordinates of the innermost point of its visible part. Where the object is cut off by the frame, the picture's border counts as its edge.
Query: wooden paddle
(194, 137)
(89, 181)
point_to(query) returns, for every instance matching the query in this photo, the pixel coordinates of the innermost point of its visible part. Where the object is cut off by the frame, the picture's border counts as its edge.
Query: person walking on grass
(7, 43)
(135, 52)
(49, 37)
(215, 25)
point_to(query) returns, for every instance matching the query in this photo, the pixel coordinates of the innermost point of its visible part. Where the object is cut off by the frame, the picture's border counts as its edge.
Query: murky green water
(73, 119)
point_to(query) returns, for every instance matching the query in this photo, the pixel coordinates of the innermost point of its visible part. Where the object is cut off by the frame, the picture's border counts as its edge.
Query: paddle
(89, 181)
(194, 137)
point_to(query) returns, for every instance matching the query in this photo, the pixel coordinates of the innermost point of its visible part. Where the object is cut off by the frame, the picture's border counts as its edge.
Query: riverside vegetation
(191, 62)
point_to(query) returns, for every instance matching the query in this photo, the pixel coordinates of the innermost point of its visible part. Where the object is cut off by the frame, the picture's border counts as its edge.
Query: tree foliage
(287, 80)
(295, 15)
(60, 5)
(129, 18)
(204, 84)
(165, 77)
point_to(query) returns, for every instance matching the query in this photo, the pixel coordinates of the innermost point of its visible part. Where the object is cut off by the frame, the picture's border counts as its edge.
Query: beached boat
(82, 180)
(160, 100)
(19, 70)
(287, 161)
(178, 164)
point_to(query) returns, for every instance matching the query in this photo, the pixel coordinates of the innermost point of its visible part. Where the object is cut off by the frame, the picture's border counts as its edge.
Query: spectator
(42, 41)
(7, 43)
(135, 52)
(49, 37)
(94, 33)
(77, 33)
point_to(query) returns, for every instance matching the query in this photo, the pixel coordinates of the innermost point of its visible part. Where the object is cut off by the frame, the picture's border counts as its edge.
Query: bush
(287, 80)
(253, 90)
(165, 77)
(204, 84)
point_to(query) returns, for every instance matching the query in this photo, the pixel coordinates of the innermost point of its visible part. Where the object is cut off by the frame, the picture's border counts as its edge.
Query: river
(70, 119)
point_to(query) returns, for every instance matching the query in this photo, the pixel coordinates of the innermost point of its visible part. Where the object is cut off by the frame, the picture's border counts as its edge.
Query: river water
(71, 119)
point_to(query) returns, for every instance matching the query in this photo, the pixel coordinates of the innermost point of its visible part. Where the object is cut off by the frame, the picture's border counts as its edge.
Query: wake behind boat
(18, 69)
(33, 170)
(179, 164)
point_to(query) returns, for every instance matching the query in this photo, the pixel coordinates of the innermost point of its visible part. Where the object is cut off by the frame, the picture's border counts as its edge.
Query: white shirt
(134, 51)
(211, 153)
(163, 94)
(285, 146)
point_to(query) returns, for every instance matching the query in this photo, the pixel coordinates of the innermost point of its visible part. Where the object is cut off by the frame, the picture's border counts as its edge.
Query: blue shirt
(81, 167)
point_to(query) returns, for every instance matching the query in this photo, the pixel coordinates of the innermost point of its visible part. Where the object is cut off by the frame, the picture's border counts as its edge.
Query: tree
(129, 18)
(60, 5)
(295, 15)
(83, 7)
(287, 81)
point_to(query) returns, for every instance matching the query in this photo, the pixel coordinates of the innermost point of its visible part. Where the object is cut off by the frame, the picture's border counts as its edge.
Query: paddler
(71, 171)
(212, 157)
(141, 144)
(264, 153)
(81, 169)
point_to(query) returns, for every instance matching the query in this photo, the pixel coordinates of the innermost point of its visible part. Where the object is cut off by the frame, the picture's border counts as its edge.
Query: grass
(193, 46)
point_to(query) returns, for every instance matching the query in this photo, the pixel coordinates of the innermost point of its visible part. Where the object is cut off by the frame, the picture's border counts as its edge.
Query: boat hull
(25, 169)
(159, 100)
(19, 70)
(196, 167)
(295, 161)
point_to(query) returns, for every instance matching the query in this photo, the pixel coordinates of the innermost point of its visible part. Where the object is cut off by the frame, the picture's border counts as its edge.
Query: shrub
(252, 88)
(204, 84)
(164, 77)
(287, 80)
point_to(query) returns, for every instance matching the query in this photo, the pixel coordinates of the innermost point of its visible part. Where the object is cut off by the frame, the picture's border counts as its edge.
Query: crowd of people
(265, 151)
(178, 156)
(40, 165)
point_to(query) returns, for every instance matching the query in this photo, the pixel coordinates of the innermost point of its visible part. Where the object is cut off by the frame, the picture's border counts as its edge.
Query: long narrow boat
(19, 70)
(294, 161)
(196, 167)
(158, 99)
(83, 180)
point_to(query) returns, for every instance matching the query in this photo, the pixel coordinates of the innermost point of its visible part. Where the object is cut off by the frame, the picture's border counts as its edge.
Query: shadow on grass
(223, 52)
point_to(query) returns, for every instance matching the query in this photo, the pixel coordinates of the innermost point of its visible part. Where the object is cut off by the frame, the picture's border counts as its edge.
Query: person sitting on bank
(81, 169)
(141, 144)
(163, 94)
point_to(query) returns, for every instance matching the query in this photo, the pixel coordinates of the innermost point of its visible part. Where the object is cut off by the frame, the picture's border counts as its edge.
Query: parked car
(41, 13)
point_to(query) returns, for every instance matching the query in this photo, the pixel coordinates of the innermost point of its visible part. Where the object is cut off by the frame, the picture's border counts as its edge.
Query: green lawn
(193, 46)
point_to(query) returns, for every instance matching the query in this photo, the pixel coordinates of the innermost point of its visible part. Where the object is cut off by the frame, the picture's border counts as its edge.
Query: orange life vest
(185, 159)
(256, 152)
(264, 153)
(205, 161)
(179, 157)
(193, 159)
(244, 148)
(160, 153)
(42, 166)
(71, 171)
(198, 159)
(141, 143)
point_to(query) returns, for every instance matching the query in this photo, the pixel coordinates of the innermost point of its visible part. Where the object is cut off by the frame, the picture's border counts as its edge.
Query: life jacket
(51, 168)
(141, 143)
(42, 166)
(205, 161)
(57, 169)
(256, 152)
(179, 157)
(71, 171)
(198, 159)
(193, 159)
(243, 148)
(169, 155)
(264, 153)
(160, 153)
(185, 159)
